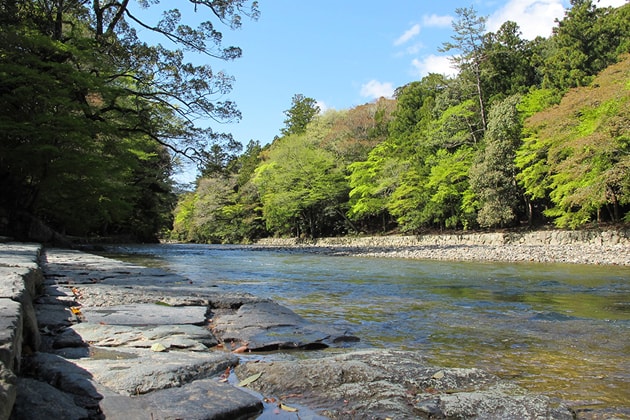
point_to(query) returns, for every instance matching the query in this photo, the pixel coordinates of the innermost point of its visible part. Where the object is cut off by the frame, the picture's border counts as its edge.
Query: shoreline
(563, 247)
(579, 255)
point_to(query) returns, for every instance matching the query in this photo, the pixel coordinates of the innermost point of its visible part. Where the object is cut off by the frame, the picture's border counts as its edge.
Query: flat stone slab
(396, 384)
(145, 314)
(38, 400)
(139, 371)
(190, 337)
(263, 326)
(11, 331)
(20, 255)
(200, 400)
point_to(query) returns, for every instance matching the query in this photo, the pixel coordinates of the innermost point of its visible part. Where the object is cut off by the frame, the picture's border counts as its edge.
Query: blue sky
(345, 53)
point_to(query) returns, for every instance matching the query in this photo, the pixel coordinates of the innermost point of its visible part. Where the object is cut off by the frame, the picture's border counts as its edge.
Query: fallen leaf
(438, 375)
(287, 408)
(250, 379)
(158, 347)
(226, 375)
(241, 349)
(75, 310)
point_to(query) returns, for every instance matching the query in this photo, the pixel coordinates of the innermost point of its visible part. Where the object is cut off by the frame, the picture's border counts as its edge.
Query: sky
(344, 53)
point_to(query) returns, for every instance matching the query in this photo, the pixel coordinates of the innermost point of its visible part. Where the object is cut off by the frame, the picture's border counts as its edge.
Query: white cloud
(439, 64)
(322, 106)
(534, 17)
(610, 3)
(409, 34)
(437, 21)
(375, 89)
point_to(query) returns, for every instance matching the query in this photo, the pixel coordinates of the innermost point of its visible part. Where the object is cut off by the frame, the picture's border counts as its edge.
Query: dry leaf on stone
(158, 347)
(250, 379)
(438, 375)
(287, 408)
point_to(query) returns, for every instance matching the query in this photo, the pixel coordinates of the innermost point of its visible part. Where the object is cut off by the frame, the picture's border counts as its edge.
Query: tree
(584, 43)
(510, 67)
(469, 41)
(577, 154)
(301, 113)
(89, 111)
(302, 188)
(493, 175)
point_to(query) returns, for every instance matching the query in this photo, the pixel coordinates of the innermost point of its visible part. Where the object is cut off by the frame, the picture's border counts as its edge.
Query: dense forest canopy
(93, 119)
(528, 132)
(91, 116)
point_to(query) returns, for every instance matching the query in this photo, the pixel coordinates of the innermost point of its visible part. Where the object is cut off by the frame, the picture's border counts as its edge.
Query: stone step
(20, 281)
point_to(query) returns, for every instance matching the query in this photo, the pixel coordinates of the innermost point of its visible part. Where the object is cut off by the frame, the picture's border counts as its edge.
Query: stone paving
(83, 336)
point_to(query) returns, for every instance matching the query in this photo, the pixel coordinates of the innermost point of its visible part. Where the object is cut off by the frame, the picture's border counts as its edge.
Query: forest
(93, 121)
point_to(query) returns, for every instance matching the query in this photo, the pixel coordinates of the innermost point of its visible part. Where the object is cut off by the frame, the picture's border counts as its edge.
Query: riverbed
(557, 329)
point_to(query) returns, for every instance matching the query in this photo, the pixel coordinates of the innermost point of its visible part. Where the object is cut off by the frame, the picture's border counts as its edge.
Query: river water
(559, 329)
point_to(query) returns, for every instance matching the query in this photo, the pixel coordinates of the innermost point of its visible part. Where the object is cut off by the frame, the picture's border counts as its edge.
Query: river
(559, 329)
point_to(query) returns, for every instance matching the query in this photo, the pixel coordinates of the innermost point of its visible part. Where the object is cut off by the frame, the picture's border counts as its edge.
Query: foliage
(433, 158)
(91, 116)
(585, 42)
(493, 175)
(301, 113)
(301, 187)
(579, 151)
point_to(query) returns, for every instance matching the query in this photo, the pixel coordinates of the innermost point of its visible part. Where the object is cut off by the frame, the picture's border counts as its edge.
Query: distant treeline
(527, 132)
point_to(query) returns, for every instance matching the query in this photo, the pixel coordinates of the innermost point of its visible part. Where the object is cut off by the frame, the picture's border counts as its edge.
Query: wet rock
(139, 371)
(396, 384)
(190, 337)
(203, 399)
(502, 401)
(38, 400)
(145, 314)
(263, 326)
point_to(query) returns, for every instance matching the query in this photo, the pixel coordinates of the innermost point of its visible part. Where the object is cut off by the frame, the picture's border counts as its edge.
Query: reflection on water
(558, 329)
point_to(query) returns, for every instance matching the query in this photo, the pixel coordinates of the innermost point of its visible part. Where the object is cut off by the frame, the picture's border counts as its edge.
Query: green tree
(577, 153)
(301, 113)
(509, 67)
(585, 42)
(493, 175)
(302, 188)
(89, 111)
(469, 41)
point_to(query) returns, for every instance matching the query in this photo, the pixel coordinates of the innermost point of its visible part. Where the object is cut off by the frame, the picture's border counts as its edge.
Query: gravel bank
(599, 248)
(571, 254)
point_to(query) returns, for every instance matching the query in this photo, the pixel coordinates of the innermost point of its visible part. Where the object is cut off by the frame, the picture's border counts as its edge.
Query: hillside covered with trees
(528, 132)
(93, 120)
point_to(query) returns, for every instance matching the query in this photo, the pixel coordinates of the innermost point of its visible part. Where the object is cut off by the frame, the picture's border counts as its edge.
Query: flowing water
(559, 329)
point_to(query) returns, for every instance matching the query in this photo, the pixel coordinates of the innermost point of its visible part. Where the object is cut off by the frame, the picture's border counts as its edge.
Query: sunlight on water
(562, 330)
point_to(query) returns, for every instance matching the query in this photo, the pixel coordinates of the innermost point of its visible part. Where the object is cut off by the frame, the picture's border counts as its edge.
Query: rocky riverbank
(574, 247)
(115, 340)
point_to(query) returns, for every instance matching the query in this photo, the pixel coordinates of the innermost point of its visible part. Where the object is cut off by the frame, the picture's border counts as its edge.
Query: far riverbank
(607, 247)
